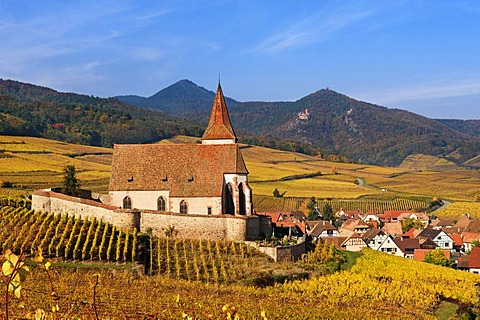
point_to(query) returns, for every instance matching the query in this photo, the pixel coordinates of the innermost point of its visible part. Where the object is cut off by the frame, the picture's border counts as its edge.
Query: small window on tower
(209, 210)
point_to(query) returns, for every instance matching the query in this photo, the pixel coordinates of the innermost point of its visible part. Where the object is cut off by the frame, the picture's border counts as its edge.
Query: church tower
(219, 129)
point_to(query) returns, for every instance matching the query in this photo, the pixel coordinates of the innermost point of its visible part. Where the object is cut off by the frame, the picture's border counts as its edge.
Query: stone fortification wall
(212, 227)
(81, 208)
(208, 227)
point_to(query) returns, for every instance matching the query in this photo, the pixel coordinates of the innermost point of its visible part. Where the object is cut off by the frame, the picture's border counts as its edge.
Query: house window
(127, 203)
(161, 204)
(209, 210)
(183, 207)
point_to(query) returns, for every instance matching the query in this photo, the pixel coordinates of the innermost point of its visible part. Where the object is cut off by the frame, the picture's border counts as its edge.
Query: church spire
(219, 129)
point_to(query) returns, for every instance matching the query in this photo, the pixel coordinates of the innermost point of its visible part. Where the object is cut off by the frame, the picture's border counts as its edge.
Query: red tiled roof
(393, 228)
(187, 170)
(457, 239)
(337, 241)
(274, 215)
(469, 237)
(463, 222)
(219, 126)
(474, 258)
(412, 233)
(393, 214)
(352, 224)
(473, 226)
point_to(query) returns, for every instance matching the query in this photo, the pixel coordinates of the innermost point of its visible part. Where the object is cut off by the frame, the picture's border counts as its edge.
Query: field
(457, 209)
(379, 286)
(33, 163)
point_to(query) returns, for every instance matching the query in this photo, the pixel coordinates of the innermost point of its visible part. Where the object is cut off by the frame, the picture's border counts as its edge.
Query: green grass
(446, 310)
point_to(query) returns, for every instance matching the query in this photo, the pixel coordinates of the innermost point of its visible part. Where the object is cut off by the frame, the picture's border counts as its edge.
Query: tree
(71, 185)
(328, 212)
(410, 223)
(277, 193)
(313, 214)
(437, 257)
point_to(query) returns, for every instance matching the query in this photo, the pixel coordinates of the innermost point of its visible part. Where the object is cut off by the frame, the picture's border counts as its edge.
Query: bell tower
(219, 129)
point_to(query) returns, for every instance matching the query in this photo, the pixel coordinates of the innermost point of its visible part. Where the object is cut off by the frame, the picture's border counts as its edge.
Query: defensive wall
(208, 227)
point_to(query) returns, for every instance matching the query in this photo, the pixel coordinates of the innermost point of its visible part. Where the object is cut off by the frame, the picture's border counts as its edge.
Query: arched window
(228, 206)
(241, 199)
(183, 207)
(127, 203)
(161, 204)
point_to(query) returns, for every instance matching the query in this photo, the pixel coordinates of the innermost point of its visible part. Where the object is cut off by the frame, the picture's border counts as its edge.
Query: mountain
(26, 109)
(182, 98)
(333, 122)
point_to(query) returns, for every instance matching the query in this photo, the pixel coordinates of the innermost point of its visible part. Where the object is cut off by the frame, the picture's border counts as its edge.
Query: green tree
(410, 223)
(276, 193)
(328, 212)
(71, 185)
(437, 257)
(312, 210)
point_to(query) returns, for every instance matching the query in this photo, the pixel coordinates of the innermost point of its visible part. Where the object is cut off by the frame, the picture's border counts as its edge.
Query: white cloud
(429, 91)
(312, 29)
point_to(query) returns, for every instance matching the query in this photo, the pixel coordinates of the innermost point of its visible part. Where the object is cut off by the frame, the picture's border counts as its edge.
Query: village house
(374, 238)
(471, 262)
(443, 240)
(322, 229)
(407, 246)
(391, 247)
(440, 224)
(356, 225)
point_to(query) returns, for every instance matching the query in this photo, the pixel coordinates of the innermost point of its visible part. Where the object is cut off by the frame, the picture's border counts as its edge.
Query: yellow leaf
(16, 292)
(47, 265)
(7, 268)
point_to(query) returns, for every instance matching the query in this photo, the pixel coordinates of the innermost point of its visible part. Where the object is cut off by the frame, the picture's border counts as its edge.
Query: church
(210, 178)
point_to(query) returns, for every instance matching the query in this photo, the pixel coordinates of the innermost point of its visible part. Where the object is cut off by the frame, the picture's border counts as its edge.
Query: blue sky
(422, 56)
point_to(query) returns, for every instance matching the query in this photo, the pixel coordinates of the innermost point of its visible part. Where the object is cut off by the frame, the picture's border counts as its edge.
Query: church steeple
(219, 129)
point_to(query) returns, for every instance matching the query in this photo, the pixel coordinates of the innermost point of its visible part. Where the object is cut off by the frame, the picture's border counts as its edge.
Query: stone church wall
(221, 227)
(83, 208)
(208, 227)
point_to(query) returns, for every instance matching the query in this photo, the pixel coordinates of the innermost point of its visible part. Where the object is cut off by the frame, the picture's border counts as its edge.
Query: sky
(421, 56)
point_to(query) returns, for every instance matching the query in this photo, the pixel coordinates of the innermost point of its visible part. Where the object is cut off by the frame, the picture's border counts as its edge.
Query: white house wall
(147, 200)
(389, 246)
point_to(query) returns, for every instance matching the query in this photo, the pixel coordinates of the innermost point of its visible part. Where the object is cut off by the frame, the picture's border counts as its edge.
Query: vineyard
(270, 203)
(66, 238)
(202, 260)
(63, 236)
(379, 286)
(455, 210)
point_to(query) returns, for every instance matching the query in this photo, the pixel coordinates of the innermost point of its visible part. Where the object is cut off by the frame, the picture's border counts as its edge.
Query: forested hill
(27, 109)
(470, 127)
(332, 122)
